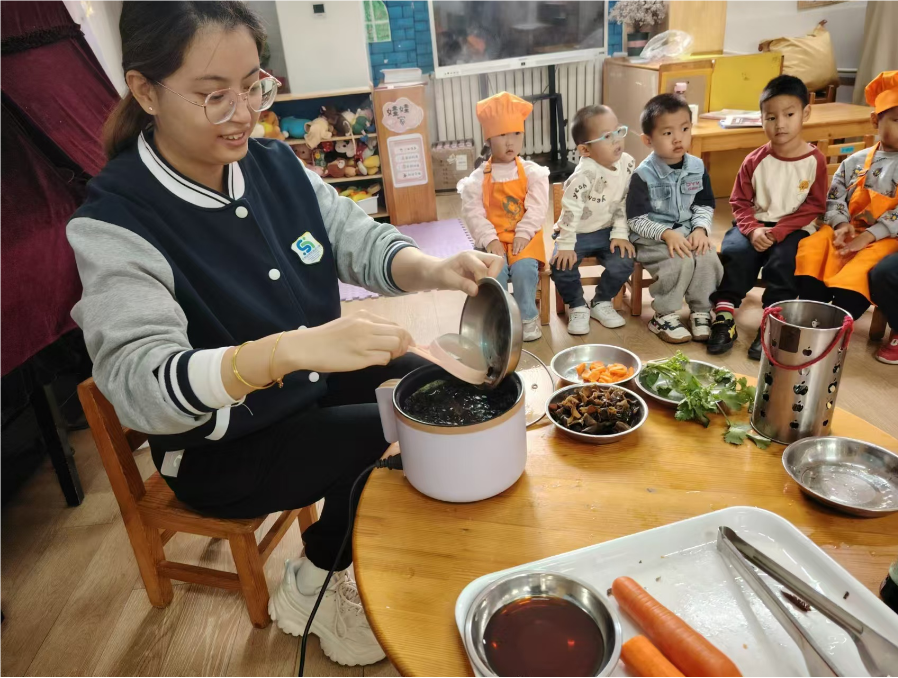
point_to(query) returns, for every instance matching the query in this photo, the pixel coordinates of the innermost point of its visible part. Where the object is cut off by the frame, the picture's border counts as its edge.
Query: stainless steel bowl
(850, 475)
(520, 585)
(564, 364)
(697, 367)
(563, 393)
(492, 320)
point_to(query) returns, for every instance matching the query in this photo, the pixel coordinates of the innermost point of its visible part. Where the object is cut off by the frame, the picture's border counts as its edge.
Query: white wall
(269, 13)
(99, 23)
(324, 53)
(750, 22)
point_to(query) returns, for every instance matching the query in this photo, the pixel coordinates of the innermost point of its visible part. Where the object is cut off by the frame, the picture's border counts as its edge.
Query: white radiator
(455, 101)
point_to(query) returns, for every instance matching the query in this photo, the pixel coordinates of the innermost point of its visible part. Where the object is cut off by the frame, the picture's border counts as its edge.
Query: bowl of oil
(541, 624)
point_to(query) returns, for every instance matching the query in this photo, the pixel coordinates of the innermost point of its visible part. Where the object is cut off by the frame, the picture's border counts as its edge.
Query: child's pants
(694, 278)
(617, 270)
(742, 263)
(884, 288)
(524, 275)
(883, 280)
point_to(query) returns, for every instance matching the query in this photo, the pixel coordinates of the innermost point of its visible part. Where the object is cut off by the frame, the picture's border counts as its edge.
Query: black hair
(155, 37)
(580, 126)
(785, 85)
(658, 106)
(485, 154)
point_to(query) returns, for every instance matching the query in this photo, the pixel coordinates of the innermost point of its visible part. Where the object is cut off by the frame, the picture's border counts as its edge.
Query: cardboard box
(451, 165)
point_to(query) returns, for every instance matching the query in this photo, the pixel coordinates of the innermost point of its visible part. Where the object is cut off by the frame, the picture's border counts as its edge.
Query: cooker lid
(492, 321)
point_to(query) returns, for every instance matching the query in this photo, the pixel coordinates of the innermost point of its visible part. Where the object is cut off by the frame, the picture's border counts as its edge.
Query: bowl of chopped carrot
(596, 364)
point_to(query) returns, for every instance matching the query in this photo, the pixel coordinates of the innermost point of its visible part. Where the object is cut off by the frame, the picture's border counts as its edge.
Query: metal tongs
(879, 655)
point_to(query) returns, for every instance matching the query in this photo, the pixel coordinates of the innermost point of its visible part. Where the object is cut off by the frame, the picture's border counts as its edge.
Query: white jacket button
(274, 274)
(241, 212)
(313, 377)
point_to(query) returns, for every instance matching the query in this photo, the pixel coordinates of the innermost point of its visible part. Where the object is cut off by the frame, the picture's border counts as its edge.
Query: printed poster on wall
(402, 115)
(407, 160)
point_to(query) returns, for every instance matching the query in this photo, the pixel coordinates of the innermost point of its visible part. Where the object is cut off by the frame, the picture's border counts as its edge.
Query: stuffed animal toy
(327, 146)
(362, 121)
(350, 170)
(372, 148)
(295, 128)
(317, 131)
(346, 148)
(372, 164)
(337, 168)
(304, 153)
(340, 124)
(269, 122)
(258, 131)
(319, 159)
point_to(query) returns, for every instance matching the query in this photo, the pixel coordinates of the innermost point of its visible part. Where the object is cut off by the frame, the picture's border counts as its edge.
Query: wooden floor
(71, 593)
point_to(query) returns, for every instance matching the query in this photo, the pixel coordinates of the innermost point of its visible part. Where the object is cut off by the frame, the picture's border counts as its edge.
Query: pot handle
(384, 394)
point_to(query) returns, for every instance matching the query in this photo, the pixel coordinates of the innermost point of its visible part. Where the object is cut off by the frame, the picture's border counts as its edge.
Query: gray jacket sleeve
(132, 324)
(363, 248)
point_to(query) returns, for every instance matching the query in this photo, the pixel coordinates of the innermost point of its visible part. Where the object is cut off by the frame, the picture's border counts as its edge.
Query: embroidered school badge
(309, 250)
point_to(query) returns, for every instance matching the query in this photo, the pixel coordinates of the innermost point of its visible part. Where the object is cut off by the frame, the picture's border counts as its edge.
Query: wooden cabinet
(705, 21)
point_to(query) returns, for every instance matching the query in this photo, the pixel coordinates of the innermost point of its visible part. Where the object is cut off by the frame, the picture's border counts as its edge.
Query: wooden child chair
(557, 194)
(152, 516)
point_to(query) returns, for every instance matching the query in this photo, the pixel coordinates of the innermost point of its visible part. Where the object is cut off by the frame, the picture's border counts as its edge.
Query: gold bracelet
(237, 374)
(280, 381)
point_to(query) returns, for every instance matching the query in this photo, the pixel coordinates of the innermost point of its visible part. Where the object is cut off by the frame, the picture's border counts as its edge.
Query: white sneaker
(669, 328)
(340, 622)
(578, 320)
(700, 326)
(604, 312)
(532, 330)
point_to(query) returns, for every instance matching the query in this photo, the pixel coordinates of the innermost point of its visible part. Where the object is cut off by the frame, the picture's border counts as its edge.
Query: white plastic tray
(679, 565)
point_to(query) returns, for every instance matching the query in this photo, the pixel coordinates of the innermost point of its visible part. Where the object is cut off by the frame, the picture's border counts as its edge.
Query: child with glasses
(593, 220)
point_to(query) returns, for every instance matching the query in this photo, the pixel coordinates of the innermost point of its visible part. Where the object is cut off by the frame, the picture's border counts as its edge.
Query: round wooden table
(414, 555)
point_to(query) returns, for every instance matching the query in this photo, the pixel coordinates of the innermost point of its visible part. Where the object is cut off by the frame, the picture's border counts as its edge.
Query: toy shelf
(296, 142)
(324, 95)
(358, 177)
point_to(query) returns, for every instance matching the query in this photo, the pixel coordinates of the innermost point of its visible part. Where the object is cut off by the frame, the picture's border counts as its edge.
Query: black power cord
(393, 463)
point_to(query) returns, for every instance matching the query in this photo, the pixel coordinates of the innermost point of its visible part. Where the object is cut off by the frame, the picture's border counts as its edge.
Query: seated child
(850, 265)
(780, 190)
(593, 220)
(669, 210)
(504, 203)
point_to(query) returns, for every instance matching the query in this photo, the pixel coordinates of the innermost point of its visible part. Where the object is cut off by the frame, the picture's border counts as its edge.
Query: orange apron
(818, 257)
(504, 204)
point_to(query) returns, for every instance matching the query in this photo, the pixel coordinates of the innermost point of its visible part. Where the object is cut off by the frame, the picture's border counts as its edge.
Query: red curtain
(55, 99)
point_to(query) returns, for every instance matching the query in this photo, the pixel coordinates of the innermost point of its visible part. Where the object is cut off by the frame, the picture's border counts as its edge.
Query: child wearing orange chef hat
(851, 261)
(504, 203)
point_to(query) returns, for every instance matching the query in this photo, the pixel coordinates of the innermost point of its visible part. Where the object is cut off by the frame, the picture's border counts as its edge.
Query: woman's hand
(414, 271)
(350, 343)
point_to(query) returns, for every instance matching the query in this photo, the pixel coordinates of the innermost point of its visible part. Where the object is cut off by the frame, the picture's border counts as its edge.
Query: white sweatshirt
(595, 198)
(536, 204)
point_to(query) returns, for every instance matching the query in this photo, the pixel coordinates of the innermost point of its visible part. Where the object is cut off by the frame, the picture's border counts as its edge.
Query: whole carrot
(687, 649)
(644, 659)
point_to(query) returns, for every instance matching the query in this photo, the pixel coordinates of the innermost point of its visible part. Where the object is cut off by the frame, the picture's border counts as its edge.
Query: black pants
(742, 263)
(884, 288)
(883, 280)
(314, 454)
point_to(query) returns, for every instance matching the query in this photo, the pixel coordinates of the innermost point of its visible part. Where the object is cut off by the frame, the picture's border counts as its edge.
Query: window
(377, 21)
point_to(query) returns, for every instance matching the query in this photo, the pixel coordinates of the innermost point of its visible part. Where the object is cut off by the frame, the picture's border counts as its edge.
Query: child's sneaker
(723, 334)
(578, 320)
(700, 326)
(669, 328)
(604, 312)
(532, 331)
(888, 352)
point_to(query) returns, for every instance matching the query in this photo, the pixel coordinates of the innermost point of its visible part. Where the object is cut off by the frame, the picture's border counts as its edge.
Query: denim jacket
(671, 194)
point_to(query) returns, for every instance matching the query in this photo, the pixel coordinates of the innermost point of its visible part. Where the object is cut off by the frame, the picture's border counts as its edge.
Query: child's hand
(857, 244)
(676, 243)
(761, 239)
(495, 247)
(518, 245)
(700, 241)
(564, 260)
(625, 246)
(843, 234)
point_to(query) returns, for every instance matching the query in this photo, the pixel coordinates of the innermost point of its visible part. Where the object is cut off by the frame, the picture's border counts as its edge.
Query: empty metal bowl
(849, 475)
(564, 364)
(563, 393)
(700, 369)
(521, 585)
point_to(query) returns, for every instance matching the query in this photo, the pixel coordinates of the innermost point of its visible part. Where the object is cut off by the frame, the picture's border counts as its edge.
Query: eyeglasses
(221, 104)
(613, 135)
